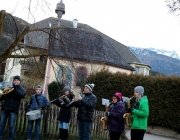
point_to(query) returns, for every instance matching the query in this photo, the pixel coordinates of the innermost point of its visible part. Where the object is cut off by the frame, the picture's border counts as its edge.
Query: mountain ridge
(159, 62)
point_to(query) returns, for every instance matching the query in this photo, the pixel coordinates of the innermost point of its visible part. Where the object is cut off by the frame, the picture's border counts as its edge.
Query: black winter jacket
(13, 99)
(86, 107)
(65, 112)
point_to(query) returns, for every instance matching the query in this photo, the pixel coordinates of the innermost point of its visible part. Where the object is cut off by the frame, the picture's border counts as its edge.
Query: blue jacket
(116, 121)
(43, 102)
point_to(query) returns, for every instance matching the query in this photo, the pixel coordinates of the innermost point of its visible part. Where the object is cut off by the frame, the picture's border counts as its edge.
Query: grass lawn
(23, 137)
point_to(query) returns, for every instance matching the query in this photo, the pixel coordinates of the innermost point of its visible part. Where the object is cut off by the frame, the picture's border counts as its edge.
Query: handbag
(34, 114)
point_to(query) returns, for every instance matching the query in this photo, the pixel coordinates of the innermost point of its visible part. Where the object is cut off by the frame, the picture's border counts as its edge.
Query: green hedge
(163, 94)
(55, 90)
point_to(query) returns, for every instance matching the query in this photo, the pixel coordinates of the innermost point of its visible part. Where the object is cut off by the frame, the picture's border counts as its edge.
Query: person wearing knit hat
(140, 113)
(64, 114)
(90, 86)
(37, 101)
(118, 95)
(140, 90)
(66, 88)
(86, 104)
(116, 122)
(17, 77)
(10, 107)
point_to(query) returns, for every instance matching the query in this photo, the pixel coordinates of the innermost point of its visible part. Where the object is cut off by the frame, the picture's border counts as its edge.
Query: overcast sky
(138, 23)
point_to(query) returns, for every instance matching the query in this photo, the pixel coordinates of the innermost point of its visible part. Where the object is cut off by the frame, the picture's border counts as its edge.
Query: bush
(55, 90)
(162, 92)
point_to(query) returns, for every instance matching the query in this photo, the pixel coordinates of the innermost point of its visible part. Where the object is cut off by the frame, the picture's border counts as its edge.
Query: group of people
(85, 103)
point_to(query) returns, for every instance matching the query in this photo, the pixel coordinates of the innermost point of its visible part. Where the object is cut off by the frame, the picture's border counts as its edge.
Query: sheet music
(105, 102)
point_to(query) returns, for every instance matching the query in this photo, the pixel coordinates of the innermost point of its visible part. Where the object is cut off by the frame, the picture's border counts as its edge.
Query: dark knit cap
(17, 77)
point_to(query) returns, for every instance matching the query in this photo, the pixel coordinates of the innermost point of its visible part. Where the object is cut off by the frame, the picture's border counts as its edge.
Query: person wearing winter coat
(85, 104)
(37, 101)
(140, 113)
(116, 122)
(65, 112)
(10, 107)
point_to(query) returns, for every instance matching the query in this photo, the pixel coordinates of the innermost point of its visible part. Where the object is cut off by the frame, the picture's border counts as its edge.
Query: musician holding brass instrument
(37, 102)
(140, 113)
(116, 122)
(86, 103)
(10, 107)
(65, 112)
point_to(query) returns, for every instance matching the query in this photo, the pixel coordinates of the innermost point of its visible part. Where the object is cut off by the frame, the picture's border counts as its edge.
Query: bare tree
(174, 6)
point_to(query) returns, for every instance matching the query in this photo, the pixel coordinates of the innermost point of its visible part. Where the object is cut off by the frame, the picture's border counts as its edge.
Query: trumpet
(127, 116)
(6, 91)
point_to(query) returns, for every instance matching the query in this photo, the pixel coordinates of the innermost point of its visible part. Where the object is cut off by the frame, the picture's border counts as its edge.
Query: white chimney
(75, 22)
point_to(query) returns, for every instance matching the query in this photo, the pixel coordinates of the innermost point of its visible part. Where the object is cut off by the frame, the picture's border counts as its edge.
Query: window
(137, 70)
(81, 75)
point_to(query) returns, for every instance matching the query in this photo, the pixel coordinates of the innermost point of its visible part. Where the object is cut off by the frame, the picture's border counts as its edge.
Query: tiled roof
(83, 42)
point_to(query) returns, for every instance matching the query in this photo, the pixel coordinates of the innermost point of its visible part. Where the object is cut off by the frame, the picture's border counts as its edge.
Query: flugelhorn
(6, 91)
(60, 98)
(127, 116)
(75, 100)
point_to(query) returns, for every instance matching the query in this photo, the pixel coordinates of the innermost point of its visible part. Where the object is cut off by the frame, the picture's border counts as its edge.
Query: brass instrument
(127, 116)
(104, 120)
(61, 97)
(75, 100)
(6, 91)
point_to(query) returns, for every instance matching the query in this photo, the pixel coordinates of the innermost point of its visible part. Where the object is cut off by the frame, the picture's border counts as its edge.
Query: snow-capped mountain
(172, 53)
(163, 61)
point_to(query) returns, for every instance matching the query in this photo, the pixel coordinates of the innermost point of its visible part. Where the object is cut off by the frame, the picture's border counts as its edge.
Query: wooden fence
(50, 125)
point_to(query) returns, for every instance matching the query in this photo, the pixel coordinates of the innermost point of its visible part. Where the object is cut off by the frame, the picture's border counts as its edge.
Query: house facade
(73, 53)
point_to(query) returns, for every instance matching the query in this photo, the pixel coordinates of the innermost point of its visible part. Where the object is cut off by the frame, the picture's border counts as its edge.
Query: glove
(108, 114)
(67, 100)
(129, 110)
(43, 107)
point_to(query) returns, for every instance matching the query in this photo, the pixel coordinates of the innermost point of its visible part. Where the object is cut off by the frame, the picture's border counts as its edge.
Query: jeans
(84, 130)
(37, 128)
(12, 118)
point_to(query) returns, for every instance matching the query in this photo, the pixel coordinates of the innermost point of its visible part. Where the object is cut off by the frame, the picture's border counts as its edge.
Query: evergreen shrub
(55, 90)
(163, 93)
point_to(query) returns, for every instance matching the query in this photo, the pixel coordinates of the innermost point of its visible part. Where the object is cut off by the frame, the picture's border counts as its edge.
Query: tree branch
(2, 17)
(14, 44)
(27, 56)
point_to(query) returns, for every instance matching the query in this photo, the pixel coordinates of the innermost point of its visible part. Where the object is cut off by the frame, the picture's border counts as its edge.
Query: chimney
(75, 23)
